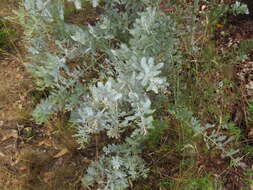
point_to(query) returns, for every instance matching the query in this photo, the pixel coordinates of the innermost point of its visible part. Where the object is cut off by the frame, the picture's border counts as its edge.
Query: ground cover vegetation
(157, 94)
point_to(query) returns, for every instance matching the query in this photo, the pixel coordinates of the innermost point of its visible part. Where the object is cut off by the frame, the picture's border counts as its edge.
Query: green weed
(190, 183)
(199, 184)
(246, 46)
(157, 132)
(250, 108)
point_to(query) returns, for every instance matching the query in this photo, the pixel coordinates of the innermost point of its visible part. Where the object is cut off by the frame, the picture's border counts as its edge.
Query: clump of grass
(245, 46)
(7, 35)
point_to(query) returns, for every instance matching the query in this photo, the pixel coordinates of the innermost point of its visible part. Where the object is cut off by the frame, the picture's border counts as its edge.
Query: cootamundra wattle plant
(137, 42)
(131, 48)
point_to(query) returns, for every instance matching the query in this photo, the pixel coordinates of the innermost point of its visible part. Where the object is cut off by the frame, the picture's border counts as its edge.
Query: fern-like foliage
(123, 164)
(213, 137)
(239, 8)
(106, 106)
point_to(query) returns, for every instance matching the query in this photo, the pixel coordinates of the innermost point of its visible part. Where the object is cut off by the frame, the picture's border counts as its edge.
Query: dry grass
(6, 7)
